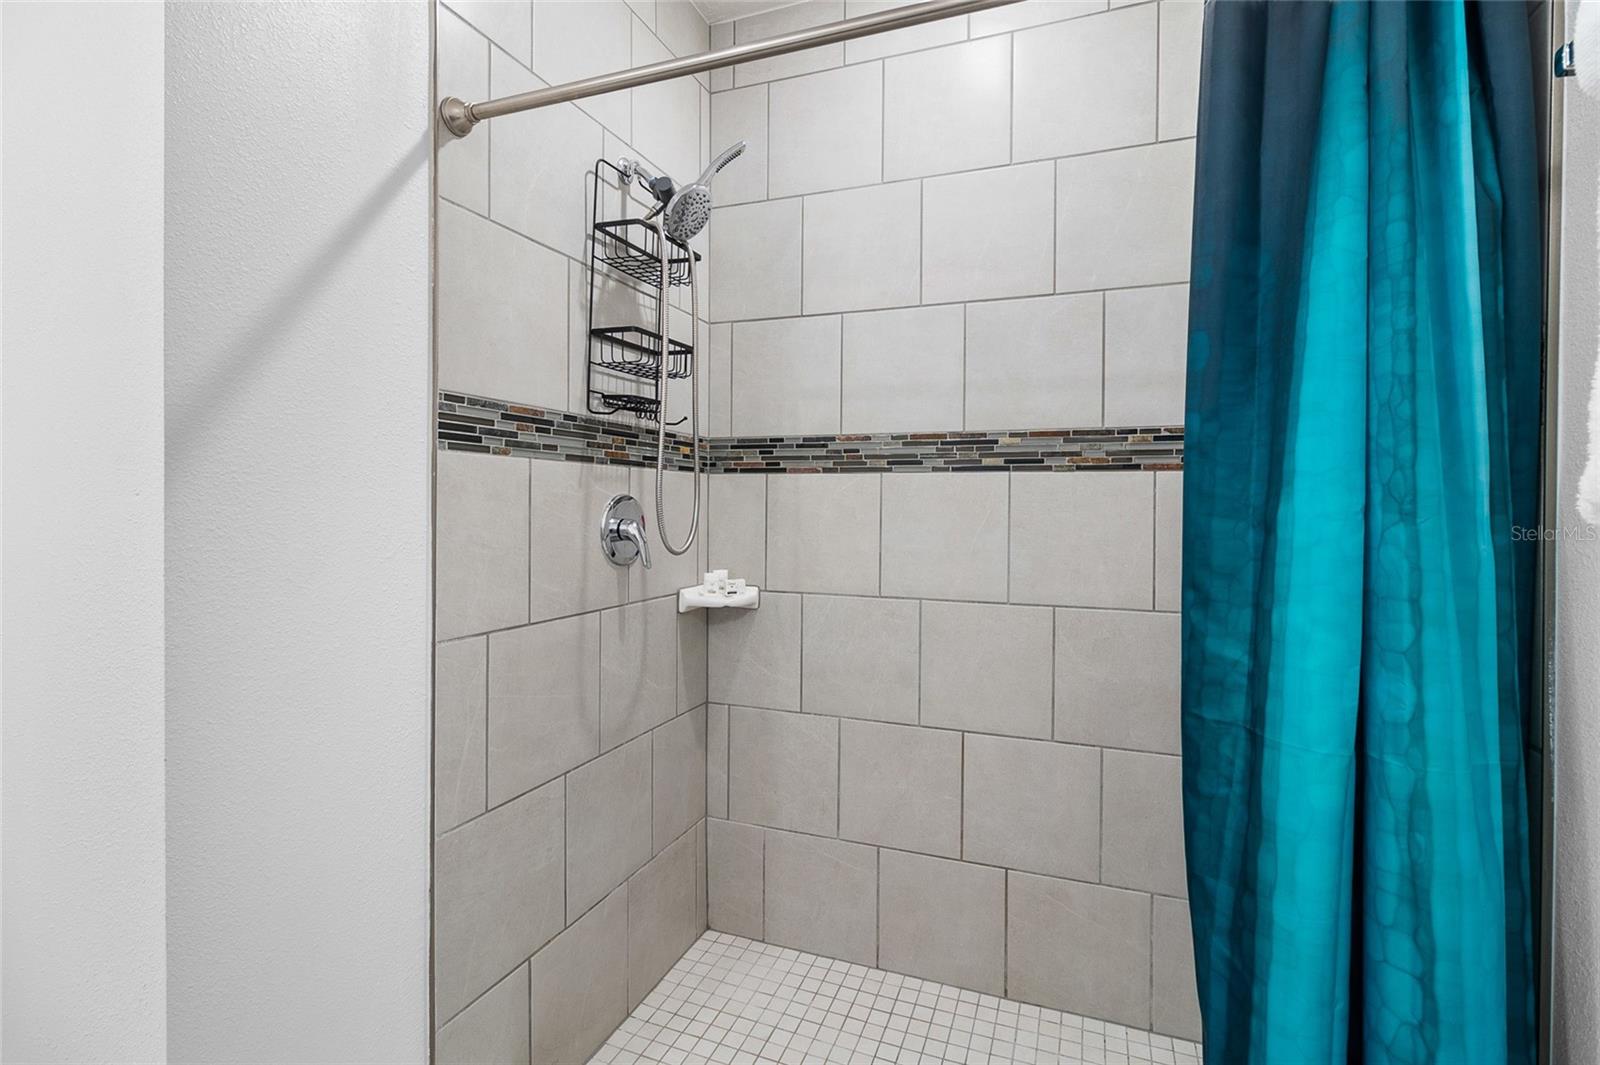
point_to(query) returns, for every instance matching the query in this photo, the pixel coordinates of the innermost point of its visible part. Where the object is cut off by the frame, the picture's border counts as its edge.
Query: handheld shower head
(690, 207)
(729, 154)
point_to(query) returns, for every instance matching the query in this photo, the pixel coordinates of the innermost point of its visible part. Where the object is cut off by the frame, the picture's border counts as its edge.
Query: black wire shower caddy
(625, 361)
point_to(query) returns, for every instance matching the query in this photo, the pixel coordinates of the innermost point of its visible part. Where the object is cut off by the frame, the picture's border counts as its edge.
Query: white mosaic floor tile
(735, 1001)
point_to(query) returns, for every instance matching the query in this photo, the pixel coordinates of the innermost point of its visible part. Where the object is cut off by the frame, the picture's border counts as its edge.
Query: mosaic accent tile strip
(495, 427)
(1156, 448)
(734, 1001)
(492, 426)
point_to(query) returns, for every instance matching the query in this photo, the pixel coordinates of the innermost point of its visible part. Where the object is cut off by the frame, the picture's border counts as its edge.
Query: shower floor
(736, 1001)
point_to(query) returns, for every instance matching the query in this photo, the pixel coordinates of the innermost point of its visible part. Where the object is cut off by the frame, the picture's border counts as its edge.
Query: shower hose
(694, 390)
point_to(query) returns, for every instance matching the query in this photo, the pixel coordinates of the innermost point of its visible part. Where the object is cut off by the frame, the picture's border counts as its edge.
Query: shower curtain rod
(459, 116)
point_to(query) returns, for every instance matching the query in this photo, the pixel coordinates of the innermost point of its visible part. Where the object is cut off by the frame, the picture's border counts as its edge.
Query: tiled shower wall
(980, 223)
(947, 742)
(570, 720)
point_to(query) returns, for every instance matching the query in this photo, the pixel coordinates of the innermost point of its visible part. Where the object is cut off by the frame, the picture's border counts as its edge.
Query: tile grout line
(1100, 824)
(1150, 1020)
(1020, 297)
(1005, 931)
(975, 863)
(968, 730)
(1155, 530)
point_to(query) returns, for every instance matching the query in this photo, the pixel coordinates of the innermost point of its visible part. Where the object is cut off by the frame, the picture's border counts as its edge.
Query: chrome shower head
(690, 207)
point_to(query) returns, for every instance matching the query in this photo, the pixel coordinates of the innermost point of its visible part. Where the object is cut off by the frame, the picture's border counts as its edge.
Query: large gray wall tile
(1031, 13)
(902, 370)
(572, 41)
(1034, 805)
(1142, 839)
(1117, 679)
(738, 529)
(861, 657)
(863, 248)
(719, 379)
(763, 239)
(663, 916)
(1079, 947)
(716, 760)
(1181, 31)
(783, 770)
(497, 895)
(1169, 541)
(567, 572)
(826, 131)
(608, 823)
(1147, 336)
(822, 534)
(492, 1029)
(679, 775)
(460, 678)
(986, 668)
(989, 234)
(822, 896)
(579, 984)
(942, 920)
(786, 376)
(692, 659)
(1083, 539)
(896, 42)
(944, 537)
(1086, 85)
(544, 702)
(502, 299)
(900, 786)
(784, 20)
(666, 115)
(504, 24)
(553, 150)
(755, 654)
(735, 855)
(462, 69)
(947, 109)
(701, 870)
(481, 543)
(1174, 1006)
(741, 115)
(638, 669)
(721, 37)
(1034, 363)
(682, 28)
(1124, 217)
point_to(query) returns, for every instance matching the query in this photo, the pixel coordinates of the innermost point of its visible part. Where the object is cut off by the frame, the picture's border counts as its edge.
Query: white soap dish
(718, 592)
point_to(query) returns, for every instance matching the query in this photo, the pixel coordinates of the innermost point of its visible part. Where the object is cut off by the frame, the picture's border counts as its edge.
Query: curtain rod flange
(456, 114)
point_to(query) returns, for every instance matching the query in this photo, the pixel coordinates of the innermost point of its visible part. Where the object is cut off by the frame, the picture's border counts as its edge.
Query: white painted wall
(84, 966)
(1577, 1029)
(298, 458)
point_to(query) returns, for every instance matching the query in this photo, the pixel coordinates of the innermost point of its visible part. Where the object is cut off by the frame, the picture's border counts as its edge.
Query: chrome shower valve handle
(622, 532)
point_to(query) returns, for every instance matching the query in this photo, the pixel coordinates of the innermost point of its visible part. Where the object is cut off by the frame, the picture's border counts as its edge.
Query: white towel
(1586, 49)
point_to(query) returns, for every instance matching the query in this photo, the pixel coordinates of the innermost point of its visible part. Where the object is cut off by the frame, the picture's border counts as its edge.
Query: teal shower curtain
(1360, 490)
